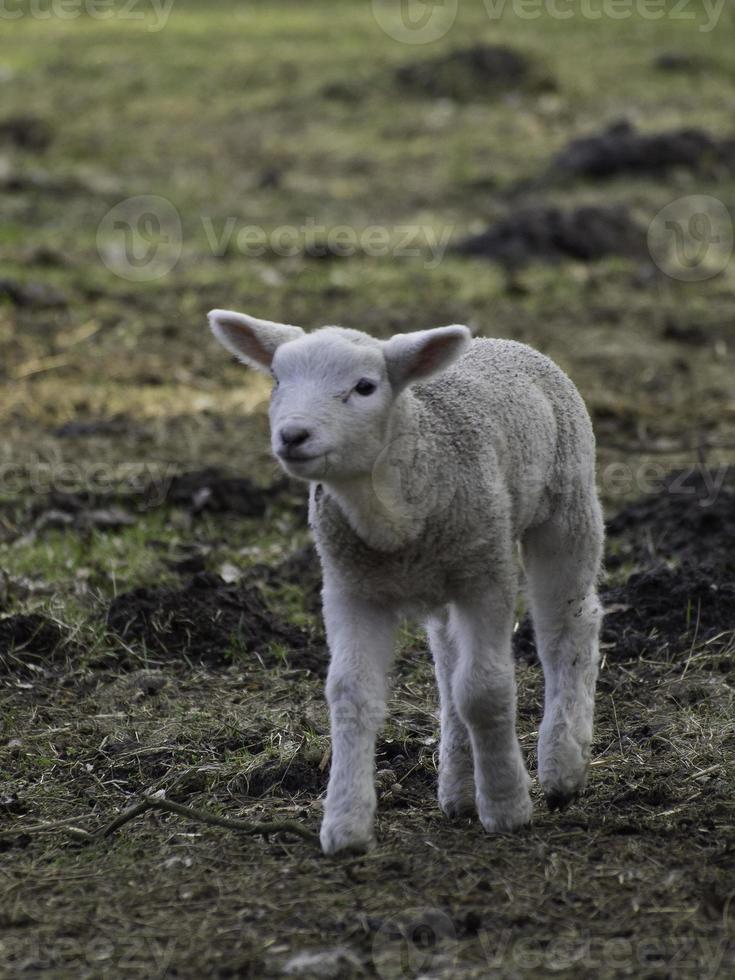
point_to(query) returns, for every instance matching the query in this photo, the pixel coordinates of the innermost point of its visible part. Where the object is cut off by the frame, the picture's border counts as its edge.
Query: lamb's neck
(383, 507)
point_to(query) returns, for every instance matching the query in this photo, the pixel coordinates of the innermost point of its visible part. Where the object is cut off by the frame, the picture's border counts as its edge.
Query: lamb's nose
(293, 435)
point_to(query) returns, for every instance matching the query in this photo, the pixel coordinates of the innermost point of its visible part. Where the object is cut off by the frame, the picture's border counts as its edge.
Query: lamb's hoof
(562, 770)
(557, 799)
(505, 816)
(458, 809)
(345, 837)
(562, 784)
(457, 800)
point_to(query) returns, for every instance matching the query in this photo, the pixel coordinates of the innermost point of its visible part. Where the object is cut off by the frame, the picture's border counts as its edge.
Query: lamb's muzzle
(430, 457)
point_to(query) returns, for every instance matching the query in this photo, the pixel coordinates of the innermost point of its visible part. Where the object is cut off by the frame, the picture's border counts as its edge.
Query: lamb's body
(421, 491)
(490, 464)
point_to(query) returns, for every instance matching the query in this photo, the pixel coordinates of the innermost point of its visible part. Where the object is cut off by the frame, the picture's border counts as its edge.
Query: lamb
(430, 457)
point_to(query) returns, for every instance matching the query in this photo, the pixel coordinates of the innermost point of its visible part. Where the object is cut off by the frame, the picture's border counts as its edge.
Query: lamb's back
(516, 419)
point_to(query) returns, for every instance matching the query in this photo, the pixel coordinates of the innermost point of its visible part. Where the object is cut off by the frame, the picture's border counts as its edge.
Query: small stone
(330, 964)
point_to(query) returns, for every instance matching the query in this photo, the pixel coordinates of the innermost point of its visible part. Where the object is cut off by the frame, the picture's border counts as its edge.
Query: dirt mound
(210, 490)
(207, 491)
(692, 519)
(31, 643)
(662, 607)
(472, 73)
(657, 610)
(549, 234)
(620, 149)
(34, 295)
(26, 132)
(286, 777)
(209, 621)
(302, 568)
(675, 61)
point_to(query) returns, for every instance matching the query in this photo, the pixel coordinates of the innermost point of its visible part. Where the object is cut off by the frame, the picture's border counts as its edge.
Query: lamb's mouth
(295, 460)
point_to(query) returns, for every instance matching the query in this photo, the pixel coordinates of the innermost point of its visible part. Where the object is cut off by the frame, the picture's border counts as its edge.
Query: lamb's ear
(413, 356)
(253, 341)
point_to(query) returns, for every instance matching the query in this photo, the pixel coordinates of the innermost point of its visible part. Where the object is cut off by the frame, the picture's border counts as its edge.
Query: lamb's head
(334, 390)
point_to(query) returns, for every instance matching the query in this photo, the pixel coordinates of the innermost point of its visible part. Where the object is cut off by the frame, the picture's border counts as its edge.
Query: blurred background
(335, 164)
(555, 172)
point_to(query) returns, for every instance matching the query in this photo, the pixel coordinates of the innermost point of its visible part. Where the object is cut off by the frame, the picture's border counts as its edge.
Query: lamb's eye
(275, 380)
(365, 387)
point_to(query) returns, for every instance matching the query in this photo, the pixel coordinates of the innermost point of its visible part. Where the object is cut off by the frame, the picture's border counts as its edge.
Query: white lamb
(430, 456)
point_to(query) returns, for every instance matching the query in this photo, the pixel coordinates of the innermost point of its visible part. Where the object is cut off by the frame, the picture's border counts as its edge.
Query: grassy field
(159, 622)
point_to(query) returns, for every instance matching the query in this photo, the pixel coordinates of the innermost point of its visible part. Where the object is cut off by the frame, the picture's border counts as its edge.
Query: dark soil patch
(292, 777)
(302, 568)
(665, 608)
(341, 91)
(675, 61)
(691, 334)
(524, 641)
(476, 72)
(620, 149)
(548, 234)
(35, 295)
(691, 518)
(407, 775)
(32, 643)
(209, 621)
(690, 524)
(26, 132)
(207, 491)
(213, 491)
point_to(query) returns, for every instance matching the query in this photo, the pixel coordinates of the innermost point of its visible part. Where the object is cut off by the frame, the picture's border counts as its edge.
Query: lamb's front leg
(456, 772)
(361, 637)
(484, 691)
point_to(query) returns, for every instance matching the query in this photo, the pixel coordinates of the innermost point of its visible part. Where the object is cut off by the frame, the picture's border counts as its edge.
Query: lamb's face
(330, 405)
(334, 390)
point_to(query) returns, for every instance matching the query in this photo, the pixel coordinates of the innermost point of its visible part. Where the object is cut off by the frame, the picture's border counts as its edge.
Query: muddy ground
(159, 600)
(203, 690)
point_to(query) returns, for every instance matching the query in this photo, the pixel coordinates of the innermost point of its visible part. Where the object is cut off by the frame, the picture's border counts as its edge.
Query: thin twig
(122, 818)
(39, 828)
(249, 827)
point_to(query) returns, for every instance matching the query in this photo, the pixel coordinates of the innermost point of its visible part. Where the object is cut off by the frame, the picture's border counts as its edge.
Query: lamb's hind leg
(456, 777)
(562, 564)
(484, 692)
